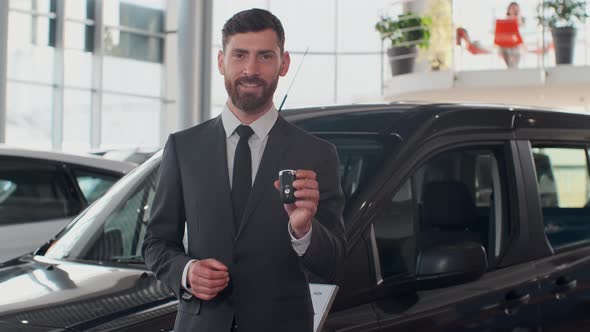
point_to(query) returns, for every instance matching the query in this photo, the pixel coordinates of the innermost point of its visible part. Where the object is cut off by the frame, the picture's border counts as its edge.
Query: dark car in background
(458, 217)
(41, 191)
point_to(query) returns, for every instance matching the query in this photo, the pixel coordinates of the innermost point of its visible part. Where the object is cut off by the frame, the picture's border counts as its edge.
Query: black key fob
(286, 178)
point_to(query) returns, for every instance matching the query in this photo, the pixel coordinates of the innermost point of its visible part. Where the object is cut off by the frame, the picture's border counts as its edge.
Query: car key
(286, 178)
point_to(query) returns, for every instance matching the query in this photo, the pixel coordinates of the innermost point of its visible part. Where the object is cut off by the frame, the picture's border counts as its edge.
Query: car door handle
(514, 301)
(564, 285)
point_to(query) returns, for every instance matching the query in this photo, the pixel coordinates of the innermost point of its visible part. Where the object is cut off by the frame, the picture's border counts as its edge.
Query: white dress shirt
(257, 143)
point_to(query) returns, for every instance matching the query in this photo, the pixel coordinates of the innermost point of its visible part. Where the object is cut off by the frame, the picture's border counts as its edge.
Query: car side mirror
(450, 264)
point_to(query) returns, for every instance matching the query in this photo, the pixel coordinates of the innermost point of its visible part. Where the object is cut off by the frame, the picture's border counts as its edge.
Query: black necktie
(242, 174)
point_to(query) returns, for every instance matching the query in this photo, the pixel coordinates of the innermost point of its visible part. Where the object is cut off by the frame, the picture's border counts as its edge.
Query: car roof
(72, 159)
(405, 118)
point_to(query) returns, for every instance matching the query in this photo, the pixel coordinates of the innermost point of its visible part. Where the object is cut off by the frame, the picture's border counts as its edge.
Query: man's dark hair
(253, 20)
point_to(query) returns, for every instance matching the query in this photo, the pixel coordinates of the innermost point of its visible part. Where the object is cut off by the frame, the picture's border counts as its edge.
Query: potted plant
(561, 16)
(405, 33)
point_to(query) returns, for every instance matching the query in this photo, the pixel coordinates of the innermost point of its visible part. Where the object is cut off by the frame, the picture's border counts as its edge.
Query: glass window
(28, 119)
(360, 160)
(562, 175)
(116, 233)
(29, 56)
(78, 69)
(41, 6)
(92, 184)
(224, 9)
(132, 76)
(79, 9)
(134, 46)
(32, 192)
(76, 130)
(120, 127)
(78, 36)
(563, 184)
(354, 69)
(394, 232)
(314, 85)
(137, 14)
(454, 197)
(291, 14)
(356, 21)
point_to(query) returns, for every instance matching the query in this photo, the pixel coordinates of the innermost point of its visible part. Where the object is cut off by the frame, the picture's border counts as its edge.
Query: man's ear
(286, 63)
(220, 66)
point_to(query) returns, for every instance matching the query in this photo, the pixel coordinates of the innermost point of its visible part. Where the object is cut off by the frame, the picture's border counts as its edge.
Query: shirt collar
(261, 126)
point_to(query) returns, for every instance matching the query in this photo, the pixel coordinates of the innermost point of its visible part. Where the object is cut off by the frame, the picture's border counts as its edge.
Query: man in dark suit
(249, 255)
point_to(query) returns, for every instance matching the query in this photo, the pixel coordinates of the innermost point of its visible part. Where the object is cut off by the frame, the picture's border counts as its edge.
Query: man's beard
(250, 102)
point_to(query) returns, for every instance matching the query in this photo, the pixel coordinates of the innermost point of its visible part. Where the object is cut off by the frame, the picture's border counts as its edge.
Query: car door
(464, 193)
(361, 156)
(36, 201)
(561, 171)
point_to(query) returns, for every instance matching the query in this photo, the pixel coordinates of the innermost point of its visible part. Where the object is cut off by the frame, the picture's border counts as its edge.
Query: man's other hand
(206, 278)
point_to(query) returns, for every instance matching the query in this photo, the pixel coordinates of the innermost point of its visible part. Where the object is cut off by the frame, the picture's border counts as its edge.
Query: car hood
(51, 293)
(22, 327)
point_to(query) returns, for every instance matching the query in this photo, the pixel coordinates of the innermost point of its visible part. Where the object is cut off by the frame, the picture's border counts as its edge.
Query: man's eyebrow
(240, 50)
(243, 50)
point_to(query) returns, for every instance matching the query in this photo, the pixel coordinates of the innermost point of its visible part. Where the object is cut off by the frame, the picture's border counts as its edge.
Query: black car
(459, 218)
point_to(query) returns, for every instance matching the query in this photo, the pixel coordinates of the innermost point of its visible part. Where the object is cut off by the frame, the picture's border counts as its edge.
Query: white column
(168, 116)
(3, 61)
(194, 61)
(58, 78)
(96, 97)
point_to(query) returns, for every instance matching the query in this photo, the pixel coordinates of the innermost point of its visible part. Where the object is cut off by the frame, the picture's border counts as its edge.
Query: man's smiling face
(251, 65)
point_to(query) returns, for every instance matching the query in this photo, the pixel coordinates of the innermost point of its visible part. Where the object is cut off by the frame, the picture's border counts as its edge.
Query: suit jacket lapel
(218, 175)
(268, 170)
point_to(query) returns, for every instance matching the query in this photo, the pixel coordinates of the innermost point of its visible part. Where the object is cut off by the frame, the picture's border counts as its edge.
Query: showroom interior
(80, 76)
(443, 161)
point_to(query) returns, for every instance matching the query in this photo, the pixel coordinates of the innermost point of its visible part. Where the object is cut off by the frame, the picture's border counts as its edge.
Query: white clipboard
(322, 297)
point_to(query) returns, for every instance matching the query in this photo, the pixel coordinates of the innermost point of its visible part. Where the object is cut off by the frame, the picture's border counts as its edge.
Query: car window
(92, 184)
(32, 192)
(123, 231)
(360, 160)
(112, 229)
(454, 197)
(564, 192)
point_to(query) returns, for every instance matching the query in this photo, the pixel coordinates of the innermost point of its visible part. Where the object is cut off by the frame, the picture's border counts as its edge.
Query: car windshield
(112, 229)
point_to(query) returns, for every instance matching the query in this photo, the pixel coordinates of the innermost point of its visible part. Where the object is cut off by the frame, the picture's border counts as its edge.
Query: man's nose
(251, 67)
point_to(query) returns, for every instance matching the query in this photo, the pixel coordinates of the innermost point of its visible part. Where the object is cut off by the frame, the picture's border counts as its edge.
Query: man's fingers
(307, 194)
(209, 291)
(309, 205)
(305, 174)
(277, 185)
(212, 283)
(305, 184)
(214, 264)
(212, 274)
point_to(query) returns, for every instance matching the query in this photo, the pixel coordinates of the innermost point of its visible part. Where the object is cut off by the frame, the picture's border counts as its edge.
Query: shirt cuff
(300, 245)
(185, 274)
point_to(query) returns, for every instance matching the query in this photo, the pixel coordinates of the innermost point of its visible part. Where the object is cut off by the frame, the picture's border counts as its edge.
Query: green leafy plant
(405, 30)
(562, 13)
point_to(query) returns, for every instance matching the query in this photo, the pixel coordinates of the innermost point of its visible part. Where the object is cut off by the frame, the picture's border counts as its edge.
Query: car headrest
(447, 203)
